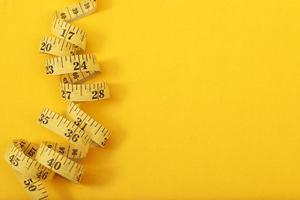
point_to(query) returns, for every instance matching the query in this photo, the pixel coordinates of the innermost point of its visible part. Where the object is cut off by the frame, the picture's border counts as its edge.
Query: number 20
(46, 47)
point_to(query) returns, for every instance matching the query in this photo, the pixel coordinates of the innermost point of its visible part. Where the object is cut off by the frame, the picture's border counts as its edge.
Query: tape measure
(77, 77)
(20, 156)
(84, 92)
(68, 32)
(35, 163)
(59, 163)
(64, 128)
(57, 47)
(69, 40)
(73, 69)
(30, 173)
(99, 134)
(34, 187)
(77, 10)
(71, 64)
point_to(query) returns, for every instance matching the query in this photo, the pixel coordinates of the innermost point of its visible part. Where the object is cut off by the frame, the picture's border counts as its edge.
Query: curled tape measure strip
(59, 163)
(68, 150)
(69, 40)
(37, 163)
(77, 10)
(21, 157)
(99, 134)
(30, 173)
(57, 47)
(34, 187)
(71, 64)
(55, 156)
(63, 127)
(77, 77)
(85, 92)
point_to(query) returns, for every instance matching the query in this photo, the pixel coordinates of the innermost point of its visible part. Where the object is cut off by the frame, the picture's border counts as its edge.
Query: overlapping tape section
(35, 163)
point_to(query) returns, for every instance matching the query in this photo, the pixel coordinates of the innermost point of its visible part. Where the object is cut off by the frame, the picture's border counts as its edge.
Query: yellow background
(205, 97)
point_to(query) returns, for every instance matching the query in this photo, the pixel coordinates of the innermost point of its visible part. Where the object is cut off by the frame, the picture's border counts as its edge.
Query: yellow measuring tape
(85, 92)
(21, 156)
(69, 33)
(73, 69)
(99, 134)
(57, 47)
(77, 10)
(71, 64)
(70, 40)
(35, 163)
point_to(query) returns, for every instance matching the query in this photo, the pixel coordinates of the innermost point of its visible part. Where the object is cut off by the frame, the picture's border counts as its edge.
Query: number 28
(98, 94)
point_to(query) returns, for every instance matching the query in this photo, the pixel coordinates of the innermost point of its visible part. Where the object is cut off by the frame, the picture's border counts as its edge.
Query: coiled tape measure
(35, 163)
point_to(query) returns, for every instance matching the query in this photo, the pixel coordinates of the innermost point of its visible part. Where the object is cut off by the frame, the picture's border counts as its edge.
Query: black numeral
(46, 47)
(78, 122)
(49, 69)
(75, 137)
(71, 34)
(14, 160)
(77, 65)
(44, 119)
(42, 175)
(55, 165)
(63, 33)
(30, 186)
(65, 80)
(104, 142)
(98, 94)
(75, 75)
(70, 134)
(65, 94)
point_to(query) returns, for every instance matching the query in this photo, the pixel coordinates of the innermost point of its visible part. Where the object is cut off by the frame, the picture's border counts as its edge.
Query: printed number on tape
(99, 134)
(68, 32)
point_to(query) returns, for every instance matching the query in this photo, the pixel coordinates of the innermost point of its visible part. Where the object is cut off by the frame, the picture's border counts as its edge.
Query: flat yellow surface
(205, 97)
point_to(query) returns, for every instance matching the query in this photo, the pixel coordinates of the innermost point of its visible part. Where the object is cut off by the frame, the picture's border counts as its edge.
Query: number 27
(65, 94)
